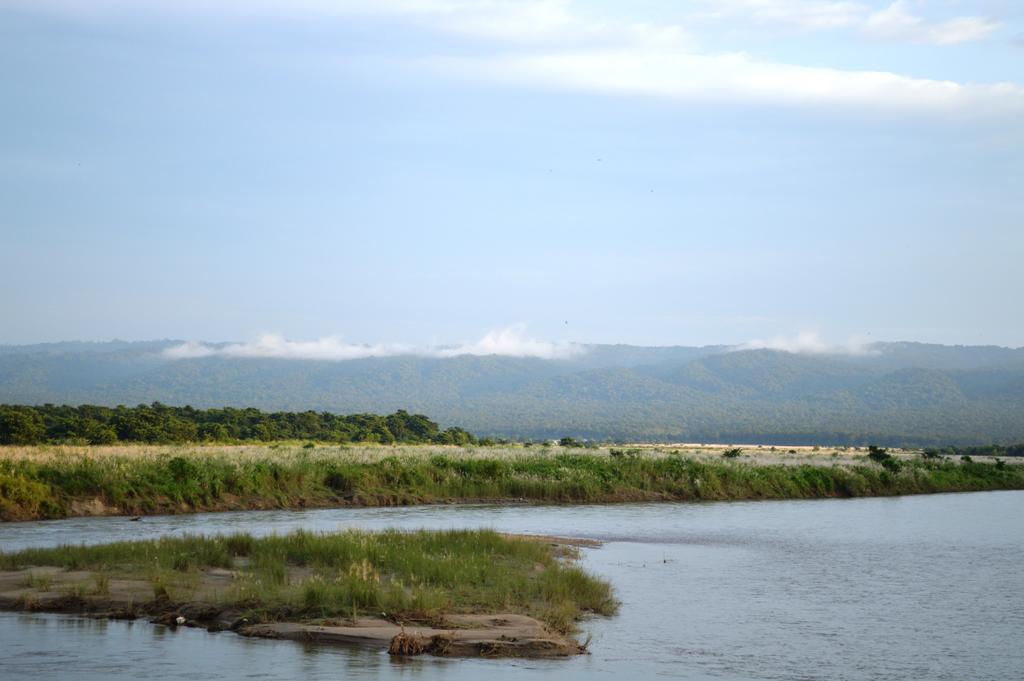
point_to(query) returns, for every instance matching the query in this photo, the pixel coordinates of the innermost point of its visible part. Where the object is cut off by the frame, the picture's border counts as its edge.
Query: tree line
(983, 450)
(162, 424)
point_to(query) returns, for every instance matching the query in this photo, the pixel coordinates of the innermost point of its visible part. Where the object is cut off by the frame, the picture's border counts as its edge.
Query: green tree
(21, 426)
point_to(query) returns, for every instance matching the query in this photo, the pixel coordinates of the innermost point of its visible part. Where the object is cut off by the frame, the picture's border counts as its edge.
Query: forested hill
(896, 393)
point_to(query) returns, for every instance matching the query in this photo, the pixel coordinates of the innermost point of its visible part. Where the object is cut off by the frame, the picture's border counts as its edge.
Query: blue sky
(425, 173)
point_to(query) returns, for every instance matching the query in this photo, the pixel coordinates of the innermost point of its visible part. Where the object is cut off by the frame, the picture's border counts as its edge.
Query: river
(925, 587)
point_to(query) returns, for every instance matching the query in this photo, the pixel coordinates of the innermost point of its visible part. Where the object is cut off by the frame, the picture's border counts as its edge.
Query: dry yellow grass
(283, 452)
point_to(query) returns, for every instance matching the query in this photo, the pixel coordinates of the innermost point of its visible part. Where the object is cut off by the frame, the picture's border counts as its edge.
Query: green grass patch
(409, 575)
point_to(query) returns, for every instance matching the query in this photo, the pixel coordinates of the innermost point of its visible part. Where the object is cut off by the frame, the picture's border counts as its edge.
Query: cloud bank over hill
(512, 341)
(508, 342)
(904, 393)
(810, 343)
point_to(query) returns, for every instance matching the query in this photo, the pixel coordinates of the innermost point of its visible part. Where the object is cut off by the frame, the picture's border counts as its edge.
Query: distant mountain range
(890, 393)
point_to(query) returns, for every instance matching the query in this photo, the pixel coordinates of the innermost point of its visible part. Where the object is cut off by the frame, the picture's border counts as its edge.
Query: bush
(891, 465)
(182, 469)
(878, 454)
(881, 456)
(732, 453)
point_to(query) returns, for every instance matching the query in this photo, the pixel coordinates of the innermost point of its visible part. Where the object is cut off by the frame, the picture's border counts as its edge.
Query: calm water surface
(923, 587)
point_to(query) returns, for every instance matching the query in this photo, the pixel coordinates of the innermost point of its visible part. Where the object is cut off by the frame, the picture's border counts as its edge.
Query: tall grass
(53, 486)
(407, 575)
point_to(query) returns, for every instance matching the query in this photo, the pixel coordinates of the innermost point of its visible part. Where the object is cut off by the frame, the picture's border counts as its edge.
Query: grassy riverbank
(55, 482)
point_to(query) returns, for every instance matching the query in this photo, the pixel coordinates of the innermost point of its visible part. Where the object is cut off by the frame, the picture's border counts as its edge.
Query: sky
(494, 173)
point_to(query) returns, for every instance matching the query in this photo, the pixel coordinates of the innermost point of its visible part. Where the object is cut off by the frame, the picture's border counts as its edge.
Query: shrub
(881, 456)
(878, 454)
(891, 465)
(182, 469)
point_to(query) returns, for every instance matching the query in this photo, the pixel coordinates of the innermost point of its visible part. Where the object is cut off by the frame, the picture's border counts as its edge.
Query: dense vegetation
(59, 485)
(894, 395)
(987, 450)
(408, 575)
(159, 423)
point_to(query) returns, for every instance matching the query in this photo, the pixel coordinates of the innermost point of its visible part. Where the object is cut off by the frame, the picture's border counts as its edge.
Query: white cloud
(270, 345)
(189, 350)
(554, 43)
(809, 343)
(740, 77)
(565, 44)
(510, 342)
(802, 15)
(513, 342)
(566, 21)
(896, 22)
